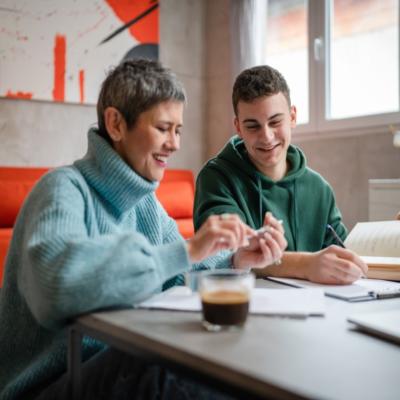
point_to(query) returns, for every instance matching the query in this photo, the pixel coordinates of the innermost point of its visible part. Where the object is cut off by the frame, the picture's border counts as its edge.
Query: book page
(381, 238)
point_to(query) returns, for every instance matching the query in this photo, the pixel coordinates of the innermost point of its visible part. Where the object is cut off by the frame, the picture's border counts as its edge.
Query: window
(287, 50)
(340, 58)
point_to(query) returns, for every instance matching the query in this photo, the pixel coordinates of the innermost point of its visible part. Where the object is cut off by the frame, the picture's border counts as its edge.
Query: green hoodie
(303, 200)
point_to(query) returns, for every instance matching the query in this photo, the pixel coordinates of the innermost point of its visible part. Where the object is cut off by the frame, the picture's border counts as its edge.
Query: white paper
(291, 302)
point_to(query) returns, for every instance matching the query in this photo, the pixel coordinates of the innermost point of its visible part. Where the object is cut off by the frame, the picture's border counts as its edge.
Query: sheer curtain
(235, 40)
(248, 31)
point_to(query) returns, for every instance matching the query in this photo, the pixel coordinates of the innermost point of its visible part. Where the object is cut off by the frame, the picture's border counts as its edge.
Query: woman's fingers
(270, 220)
(267, 253)
(278, 236)
(228, 231)
(219, 232)
(274, 247)
(232, 229)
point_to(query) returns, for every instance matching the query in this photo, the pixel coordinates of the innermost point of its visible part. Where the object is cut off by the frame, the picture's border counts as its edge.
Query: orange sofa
(176, 194)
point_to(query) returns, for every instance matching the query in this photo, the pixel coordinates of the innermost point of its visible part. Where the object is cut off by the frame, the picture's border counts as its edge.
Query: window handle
(318, 48)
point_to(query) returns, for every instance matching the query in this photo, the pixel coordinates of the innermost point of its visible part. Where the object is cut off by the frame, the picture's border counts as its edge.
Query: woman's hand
(264, 249)
(219, 232)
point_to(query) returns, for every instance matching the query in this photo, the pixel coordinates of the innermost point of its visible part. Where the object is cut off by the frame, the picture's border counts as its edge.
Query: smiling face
(154, 137)
(265, 126)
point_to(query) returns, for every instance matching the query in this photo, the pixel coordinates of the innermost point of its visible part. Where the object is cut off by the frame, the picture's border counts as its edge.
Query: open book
(378, 244)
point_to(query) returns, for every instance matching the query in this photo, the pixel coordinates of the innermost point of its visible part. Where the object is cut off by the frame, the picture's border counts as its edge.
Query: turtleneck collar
(111, 176)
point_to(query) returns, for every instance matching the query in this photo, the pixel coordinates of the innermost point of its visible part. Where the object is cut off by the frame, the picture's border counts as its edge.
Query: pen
(335, 235)
(258, 232)
(265, 228)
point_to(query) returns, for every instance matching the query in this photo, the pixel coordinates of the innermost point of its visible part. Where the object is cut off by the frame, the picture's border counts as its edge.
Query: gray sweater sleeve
(64, 271)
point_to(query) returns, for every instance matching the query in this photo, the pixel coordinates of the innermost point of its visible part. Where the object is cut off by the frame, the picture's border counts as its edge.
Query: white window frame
(318, 13)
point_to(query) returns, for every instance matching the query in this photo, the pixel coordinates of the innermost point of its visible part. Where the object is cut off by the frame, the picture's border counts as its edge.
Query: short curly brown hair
(256, 82)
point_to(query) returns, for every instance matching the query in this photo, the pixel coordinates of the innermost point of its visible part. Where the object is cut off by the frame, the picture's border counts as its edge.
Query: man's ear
(293, 116)
(237, 126)
(115, 124)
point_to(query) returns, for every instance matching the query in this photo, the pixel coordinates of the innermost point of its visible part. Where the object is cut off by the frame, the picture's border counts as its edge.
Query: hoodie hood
(235, 153)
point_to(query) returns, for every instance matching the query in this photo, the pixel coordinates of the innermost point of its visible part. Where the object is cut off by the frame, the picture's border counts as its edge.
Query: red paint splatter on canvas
(19, 95)
(81, 85)
(145, 30)
(59, 67)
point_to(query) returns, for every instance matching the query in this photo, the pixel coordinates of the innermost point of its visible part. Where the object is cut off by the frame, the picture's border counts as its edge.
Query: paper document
(360, 290)
(290, 302)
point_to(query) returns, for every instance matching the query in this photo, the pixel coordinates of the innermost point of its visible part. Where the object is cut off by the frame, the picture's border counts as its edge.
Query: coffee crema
(224, 307)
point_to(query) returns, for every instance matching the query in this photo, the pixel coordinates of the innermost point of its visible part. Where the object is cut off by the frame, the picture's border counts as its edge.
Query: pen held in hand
(335, 235)
(339, 241)
(258, 232)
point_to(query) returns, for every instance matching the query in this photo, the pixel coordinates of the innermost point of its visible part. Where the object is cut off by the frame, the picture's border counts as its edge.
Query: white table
(272, 358)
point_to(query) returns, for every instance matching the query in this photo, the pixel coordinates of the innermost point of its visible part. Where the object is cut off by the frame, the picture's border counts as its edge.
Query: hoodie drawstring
(260, 201)
(294, 214)
(293, 220)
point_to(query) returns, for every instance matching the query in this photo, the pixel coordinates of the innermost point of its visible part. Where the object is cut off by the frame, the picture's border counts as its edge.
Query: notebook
(385, 324)
(360, 290)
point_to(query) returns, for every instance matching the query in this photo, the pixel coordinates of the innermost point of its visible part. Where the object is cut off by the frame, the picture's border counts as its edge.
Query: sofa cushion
(186, 227)
(5, 238)
(177, 198)
(13, 194)
(15, 184)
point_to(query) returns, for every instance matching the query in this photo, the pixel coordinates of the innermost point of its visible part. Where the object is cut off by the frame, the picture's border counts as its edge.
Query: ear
(237, 126)
(115, 124)
(293, 116)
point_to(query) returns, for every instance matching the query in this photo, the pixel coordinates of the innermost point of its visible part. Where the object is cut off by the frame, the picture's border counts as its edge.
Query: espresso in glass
(225, 307)
(225, 297)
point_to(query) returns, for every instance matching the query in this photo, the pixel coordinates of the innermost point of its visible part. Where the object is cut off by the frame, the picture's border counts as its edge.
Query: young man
(258, 171)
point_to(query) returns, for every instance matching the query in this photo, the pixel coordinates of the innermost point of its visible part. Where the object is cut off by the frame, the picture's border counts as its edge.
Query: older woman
(93, 235)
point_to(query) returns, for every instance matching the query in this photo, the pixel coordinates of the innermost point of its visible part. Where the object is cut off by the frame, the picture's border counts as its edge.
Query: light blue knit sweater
(89, 236)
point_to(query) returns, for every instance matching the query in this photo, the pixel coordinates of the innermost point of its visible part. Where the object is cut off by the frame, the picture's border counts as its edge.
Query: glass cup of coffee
(225, 297)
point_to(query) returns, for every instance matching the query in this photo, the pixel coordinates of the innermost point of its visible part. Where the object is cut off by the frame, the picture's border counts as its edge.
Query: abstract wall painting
(61, 50)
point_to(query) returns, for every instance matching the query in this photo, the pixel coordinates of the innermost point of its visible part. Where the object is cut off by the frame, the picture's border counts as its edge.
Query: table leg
(74, 363)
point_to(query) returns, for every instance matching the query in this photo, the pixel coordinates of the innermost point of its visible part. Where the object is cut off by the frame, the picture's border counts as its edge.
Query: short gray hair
(257, 82)
(134, 86)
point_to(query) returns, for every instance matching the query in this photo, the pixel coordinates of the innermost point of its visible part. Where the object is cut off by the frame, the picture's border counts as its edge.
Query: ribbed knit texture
(89, 236)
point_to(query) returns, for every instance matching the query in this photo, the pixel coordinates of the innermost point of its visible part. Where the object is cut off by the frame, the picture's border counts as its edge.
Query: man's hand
(335, 265)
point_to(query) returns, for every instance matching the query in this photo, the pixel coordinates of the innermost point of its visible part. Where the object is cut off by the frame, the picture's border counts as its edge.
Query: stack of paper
(290, 302)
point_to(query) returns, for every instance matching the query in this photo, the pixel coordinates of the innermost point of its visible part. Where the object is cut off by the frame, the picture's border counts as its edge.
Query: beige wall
(42, 133)
(182, 48)
(195, 43)
(347, 162)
